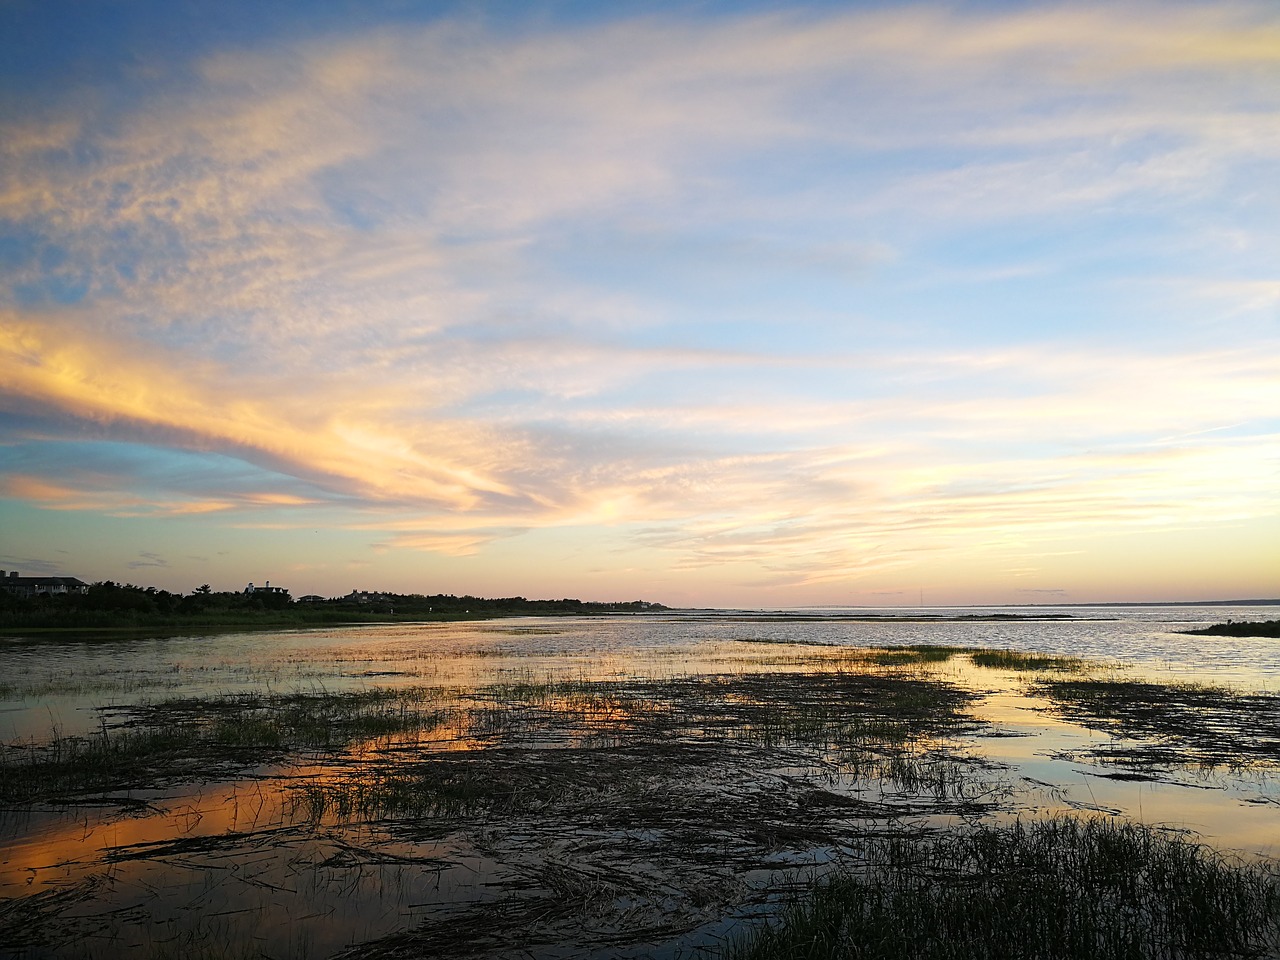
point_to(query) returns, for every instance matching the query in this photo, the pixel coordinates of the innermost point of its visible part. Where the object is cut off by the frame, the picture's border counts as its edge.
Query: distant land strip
(904, 616)
(112, 606)
(1158, 603)
(1245, 628)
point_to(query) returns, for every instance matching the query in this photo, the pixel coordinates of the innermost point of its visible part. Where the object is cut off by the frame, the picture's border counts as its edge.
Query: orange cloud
(137, 387)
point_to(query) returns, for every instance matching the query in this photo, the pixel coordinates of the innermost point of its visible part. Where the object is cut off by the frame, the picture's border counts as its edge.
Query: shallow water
(56, 682)
(235, 859)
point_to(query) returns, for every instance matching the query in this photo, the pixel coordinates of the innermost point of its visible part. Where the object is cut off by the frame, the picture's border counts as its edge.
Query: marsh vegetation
(749, 801)
(1243, 628)
(1172, 722)
(1094, 889)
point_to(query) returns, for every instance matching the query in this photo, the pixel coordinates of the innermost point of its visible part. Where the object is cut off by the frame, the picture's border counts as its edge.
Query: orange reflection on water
(232, 861)
(63, 847)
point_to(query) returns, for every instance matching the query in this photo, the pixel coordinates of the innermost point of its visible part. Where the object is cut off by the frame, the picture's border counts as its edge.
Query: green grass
(915, 653)
(1015, 660)
(1061, 888)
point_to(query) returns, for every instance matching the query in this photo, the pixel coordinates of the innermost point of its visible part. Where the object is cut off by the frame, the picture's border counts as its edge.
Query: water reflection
(598, 779)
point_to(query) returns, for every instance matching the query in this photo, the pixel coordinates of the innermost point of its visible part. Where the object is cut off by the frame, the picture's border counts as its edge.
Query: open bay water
(1148, 638)
(166, 860)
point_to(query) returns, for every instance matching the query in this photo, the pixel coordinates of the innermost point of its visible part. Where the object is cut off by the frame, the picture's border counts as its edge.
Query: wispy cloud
(743, 290)
(148, 559)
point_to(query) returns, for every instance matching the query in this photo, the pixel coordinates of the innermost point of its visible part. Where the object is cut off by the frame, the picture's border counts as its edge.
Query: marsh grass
(192, 739)
(1015, 660)
(600, 748)
(1061, 888)
(827, 707)
(1245, 628)
(1182, 722)
(635, 810)
(913, 654)
(72, 685)
(924, 654)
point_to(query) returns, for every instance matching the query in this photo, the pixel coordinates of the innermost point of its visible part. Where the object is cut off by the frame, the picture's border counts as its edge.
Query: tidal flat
(674, 786)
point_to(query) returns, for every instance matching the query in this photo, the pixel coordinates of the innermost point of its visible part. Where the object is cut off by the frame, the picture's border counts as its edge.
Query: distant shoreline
(1034, 606)
(1245, 628)
(1163, 603)
(22, 619)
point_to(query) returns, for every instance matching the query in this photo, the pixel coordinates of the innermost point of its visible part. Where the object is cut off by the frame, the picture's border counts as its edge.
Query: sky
(709, 304)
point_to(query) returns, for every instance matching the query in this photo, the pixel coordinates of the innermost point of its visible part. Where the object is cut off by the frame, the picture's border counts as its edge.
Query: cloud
(148, 559)
(452, 285)
(940, 442)
(31, 566)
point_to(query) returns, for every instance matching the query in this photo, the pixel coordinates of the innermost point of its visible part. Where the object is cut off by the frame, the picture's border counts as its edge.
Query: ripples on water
(1146, 637)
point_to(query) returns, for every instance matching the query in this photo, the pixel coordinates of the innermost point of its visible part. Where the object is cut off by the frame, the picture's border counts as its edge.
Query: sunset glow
(709, 305)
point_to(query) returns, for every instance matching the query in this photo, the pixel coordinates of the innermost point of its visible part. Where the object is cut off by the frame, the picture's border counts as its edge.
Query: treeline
(113, 605)
(110, 604)
(417, 604)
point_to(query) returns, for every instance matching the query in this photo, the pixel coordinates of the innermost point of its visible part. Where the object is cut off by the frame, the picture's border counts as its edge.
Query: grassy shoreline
(1243, 628)
(178, 626)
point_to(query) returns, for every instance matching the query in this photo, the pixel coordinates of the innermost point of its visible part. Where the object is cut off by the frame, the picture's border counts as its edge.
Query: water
(56, 682)
(1149, 638)
(231, 858)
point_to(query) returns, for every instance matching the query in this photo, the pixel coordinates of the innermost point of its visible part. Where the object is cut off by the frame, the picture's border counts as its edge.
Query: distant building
(265, 589)
(364, 596)
(40, 586)
(311, 598)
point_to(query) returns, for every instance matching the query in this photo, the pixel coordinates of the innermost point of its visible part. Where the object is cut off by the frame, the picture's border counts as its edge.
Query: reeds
(912, 654)
(1016, 660)
(1056, 889)
(175, 740)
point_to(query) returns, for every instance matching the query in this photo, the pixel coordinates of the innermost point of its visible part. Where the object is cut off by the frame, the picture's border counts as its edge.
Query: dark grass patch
(1063, 888)
(1205, 725)
(826, 708)
(583, 745)
(1015, 660)
(1245, 628)
(665, 786)
(915, 653)
(313, 720)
